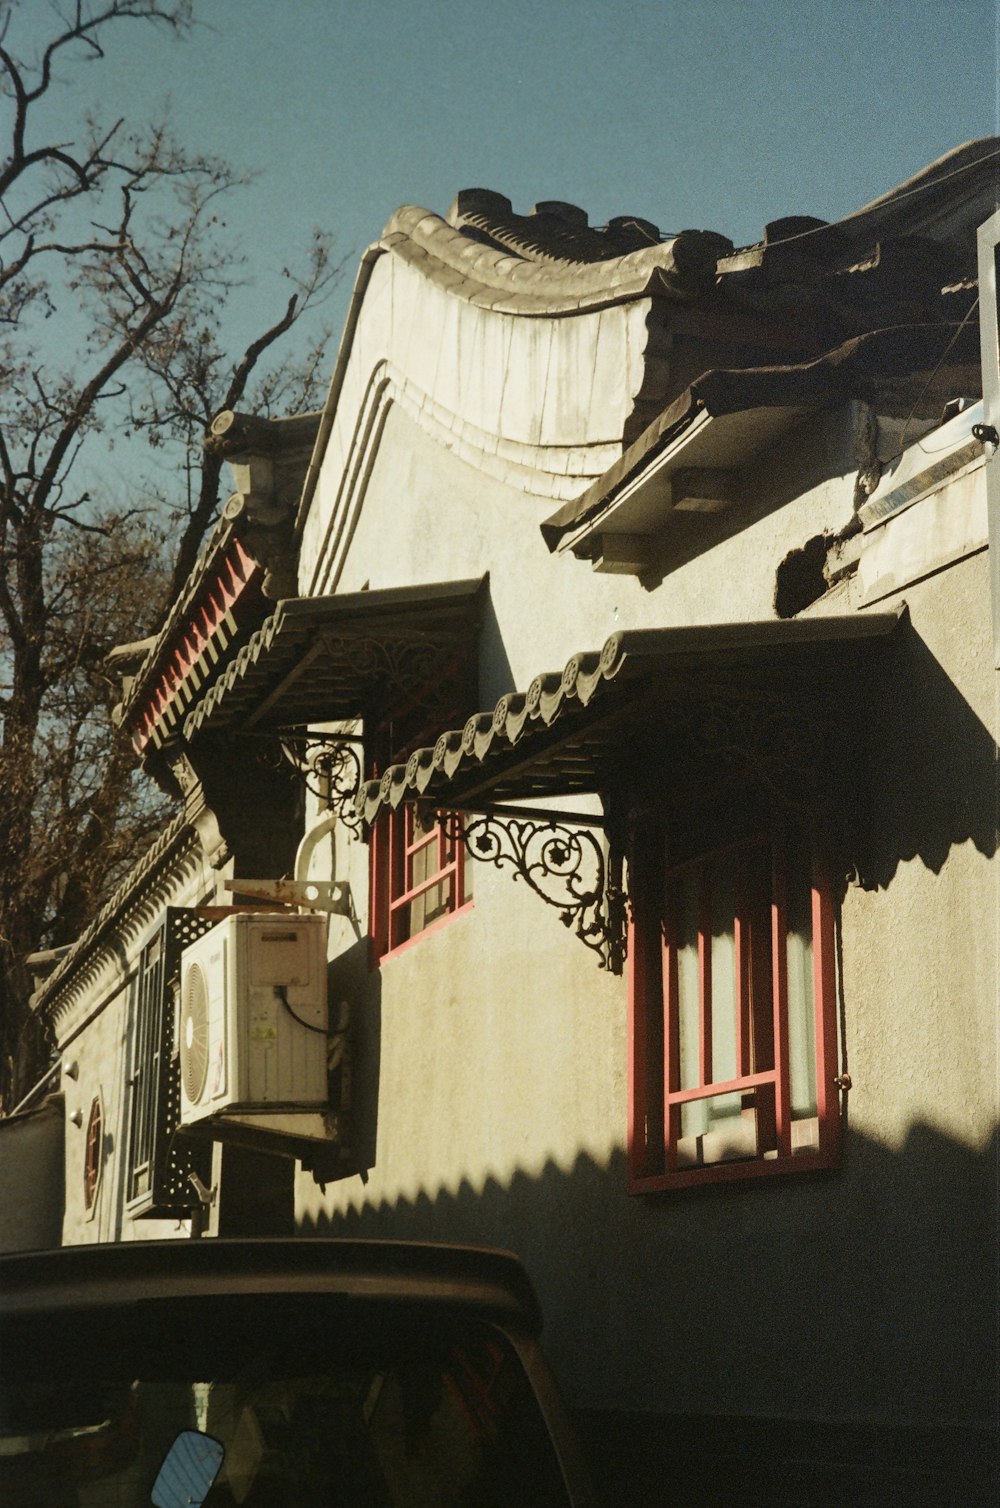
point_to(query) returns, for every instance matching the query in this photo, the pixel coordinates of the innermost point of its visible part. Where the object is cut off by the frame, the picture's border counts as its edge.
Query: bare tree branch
(121, 225)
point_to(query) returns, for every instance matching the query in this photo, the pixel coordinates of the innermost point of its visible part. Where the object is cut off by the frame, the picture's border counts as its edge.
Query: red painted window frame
(655, 1096)
(397, 841)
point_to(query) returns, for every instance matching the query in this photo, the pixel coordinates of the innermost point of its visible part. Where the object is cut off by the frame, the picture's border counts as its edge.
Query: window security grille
(160, 1162)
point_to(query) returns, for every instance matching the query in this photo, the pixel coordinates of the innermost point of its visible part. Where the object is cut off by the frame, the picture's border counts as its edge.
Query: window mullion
(824, 992)
(378, 888)
(397, 872)
(645, 1142)
(779, 978)
(458, 877)
(670, 996)
(422, 886)
(742, 942)
(728, 1086)
(705, 976)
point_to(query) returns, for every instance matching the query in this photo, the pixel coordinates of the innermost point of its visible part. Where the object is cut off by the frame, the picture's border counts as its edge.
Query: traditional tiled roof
(223, 598)
(906, 370)
(177, 840)
(323, 659)
(551, 261)
(938, 208)
(570, 728)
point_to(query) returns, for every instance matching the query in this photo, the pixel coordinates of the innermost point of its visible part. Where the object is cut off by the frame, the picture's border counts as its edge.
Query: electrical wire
(282, 993)
(938, 365)
(890, 198)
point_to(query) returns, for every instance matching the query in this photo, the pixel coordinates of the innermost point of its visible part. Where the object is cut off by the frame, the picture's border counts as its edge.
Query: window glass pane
(724, 1066)
(686, 892)
(433, 902)
(757, 884)
(722, 1128)
(801, 1013)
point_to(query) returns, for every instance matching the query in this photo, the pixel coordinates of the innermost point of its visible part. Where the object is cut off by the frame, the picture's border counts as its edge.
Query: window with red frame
(733, 1021)
(418, 879)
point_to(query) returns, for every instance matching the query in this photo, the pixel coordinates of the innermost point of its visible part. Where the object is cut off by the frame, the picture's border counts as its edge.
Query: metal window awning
(620, 714)
(327, 659)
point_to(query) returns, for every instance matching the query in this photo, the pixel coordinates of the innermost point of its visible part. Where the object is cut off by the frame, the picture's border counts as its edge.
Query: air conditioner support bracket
(288, 1132)
(331, 896)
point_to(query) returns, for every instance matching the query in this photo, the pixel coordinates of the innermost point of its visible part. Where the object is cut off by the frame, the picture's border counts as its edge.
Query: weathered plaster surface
(920, 980)
(933, 533)
(457, 523)
(496, 1050)
(541, 401)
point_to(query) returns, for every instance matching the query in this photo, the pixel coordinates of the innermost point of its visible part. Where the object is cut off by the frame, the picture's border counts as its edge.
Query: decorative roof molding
(537, 265)
(908, 370)
(268, 459)
(939, 207)
(222, 605)
(129, 912)
(322, 659)
(552, 231)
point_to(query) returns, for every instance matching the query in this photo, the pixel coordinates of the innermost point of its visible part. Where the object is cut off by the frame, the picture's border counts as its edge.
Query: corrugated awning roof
(326, 659)
(612, 711)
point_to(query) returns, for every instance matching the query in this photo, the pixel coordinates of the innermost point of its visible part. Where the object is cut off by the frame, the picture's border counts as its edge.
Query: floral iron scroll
(565, 866)
(329, 766)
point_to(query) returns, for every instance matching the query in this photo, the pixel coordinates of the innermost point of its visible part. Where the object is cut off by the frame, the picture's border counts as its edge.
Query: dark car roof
(478, 1279)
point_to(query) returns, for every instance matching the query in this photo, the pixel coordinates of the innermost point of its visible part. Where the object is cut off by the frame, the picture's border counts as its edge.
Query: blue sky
(717, 114)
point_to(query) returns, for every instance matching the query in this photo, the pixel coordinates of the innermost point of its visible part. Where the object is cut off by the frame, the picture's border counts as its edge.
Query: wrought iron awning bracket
(330, 767)
(530, 813)
(400, 660)
(563, 861)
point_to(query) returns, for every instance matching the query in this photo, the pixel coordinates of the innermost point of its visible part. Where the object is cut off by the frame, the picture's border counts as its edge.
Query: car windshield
(315, 1400)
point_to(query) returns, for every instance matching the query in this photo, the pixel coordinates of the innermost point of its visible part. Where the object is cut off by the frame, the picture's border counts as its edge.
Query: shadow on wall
(820, 1339)
(355, 993)
(928, 776)
(810, 453)
(353, 979)
(495, 673)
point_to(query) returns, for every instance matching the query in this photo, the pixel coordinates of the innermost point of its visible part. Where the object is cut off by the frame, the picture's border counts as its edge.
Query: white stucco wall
(495, 1050)
(490, 1057)
(430, 517)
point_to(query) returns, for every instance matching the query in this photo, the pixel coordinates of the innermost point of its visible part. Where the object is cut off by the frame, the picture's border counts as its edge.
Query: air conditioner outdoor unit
(253, 1018)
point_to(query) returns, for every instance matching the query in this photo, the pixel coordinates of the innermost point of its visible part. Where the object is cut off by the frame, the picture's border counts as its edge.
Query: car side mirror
(189, 1468)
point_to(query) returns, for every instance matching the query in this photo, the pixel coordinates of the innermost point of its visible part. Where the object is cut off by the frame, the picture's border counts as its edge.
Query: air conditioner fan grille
(194, 1034)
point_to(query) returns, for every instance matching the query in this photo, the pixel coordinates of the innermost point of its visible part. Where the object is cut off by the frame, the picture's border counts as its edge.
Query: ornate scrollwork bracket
(564, 865)
(329, 765)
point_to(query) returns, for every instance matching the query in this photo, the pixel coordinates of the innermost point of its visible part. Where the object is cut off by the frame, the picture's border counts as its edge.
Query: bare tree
(113, 274)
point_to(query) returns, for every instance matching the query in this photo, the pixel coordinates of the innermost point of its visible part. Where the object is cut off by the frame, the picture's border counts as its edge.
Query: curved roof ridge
(557, 267)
